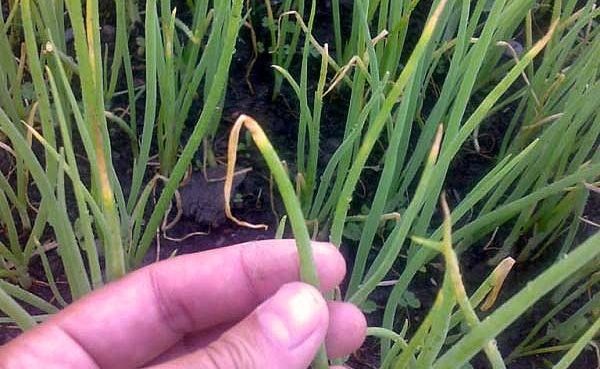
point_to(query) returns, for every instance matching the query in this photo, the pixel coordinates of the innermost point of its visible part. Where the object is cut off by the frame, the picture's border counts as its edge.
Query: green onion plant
(416, 104)
(541, 178)
(107, 233)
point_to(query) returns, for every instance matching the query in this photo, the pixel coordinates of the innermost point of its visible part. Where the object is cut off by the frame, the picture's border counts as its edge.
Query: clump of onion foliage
(414, 105)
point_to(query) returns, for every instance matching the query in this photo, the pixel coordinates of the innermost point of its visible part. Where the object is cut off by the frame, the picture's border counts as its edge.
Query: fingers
(346, 333)
(284, 332)
(131, 321)
(347, 329)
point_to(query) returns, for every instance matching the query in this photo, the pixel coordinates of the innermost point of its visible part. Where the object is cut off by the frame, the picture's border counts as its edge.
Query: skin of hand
(239, 307)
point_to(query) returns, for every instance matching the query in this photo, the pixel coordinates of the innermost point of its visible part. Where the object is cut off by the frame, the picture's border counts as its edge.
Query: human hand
(236, 307)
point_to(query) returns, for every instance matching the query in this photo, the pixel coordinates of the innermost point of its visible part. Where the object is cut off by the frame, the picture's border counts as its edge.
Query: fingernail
(292, 315)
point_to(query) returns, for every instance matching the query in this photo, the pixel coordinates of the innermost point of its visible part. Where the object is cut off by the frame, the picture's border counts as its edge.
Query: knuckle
(171, 312)
(232, 352)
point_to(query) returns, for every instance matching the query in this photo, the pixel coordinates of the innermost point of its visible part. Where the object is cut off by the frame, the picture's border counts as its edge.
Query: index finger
(131, 321)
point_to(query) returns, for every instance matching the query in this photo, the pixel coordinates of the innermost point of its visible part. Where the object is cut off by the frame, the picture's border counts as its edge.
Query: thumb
(284, 332)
